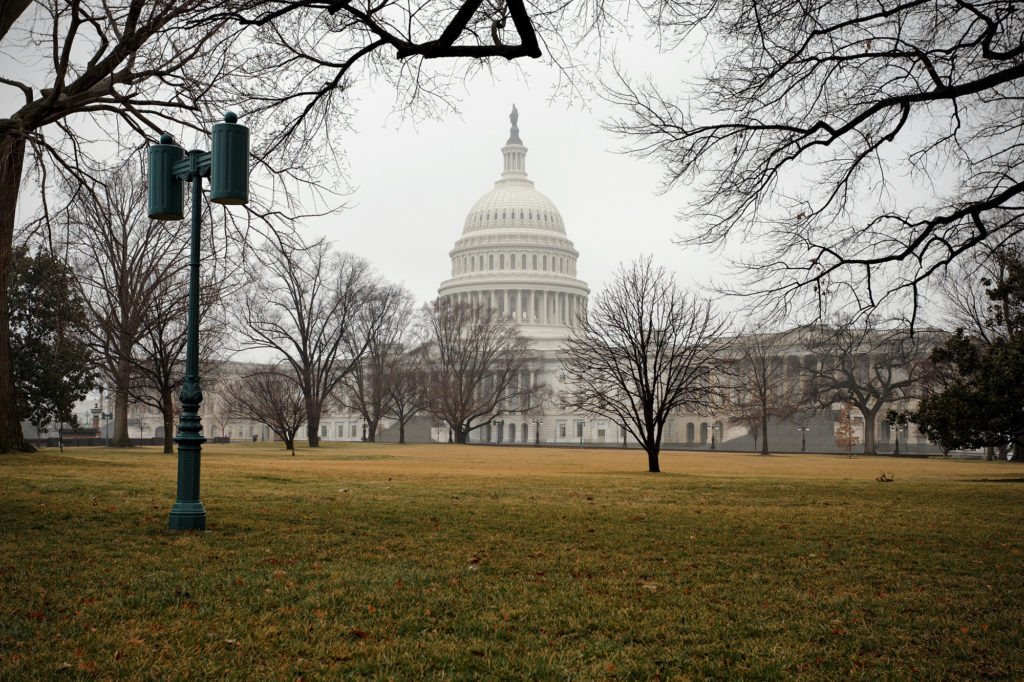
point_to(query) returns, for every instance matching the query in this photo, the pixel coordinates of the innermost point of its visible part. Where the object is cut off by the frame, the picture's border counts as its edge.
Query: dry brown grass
(428, 561)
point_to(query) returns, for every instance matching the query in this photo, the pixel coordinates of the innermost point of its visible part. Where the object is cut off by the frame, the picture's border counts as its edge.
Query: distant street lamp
(897, 450)
(803, 437)
(106, 434)
(227, 166)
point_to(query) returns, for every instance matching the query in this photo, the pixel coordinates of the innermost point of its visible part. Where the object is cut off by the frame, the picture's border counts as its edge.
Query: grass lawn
(427, 561)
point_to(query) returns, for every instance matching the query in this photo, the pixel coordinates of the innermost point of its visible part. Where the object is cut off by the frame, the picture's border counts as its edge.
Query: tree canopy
(54, 367)
(863, 145)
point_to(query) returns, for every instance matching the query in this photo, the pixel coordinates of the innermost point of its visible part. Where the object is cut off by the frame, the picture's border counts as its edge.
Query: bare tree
(867, 366)
(862, 146)
(158, 358)
(304, 304)
(478, 366)
(644, 350)
(760, 382)
(271, 396)
(408, 386)
(124, 264)
(104, 68)
(384, 321)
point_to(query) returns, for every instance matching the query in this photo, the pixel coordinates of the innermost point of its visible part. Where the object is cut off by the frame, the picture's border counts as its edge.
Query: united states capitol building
(515, 255)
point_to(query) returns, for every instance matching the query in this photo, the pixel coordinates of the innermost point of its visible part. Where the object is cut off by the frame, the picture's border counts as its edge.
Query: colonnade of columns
(532, 306)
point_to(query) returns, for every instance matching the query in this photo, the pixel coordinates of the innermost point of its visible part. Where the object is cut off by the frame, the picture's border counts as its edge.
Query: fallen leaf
(358, 634)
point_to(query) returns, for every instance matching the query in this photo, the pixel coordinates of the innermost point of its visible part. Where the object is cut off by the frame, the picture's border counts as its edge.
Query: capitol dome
(514, 254)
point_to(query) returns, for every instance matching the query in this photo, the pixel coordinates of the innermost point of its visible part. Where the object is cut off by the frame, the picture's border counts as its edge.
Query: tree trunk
(990, 453)
(764, 433)
(869, 431)
(289, 444)
(312, 422)
(121, 438)
(12, 155)
(459, 433)
(652, 460)
(168, 405)
(371, 431)
(401, 432)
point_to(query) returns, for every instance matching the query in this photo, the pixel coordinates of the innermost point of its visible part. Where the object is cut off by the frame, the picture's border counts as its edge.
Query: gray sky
(416, 181)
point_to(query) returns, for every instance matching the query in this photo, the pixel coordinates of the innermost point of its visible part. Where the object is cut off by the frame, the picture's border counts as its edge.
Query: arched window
(689, 433)
(522, 263)
(490, 261)
(534, 261)
(520, 214)
(545, 263)
(512, 260)
(501, 261)
(503, 216)
(530, 215)
(703, 433)
(511, 433)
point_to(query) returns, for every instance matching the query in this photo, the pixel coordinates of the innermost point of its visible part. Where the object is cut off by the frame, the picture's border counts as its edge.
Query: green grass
(466, 562)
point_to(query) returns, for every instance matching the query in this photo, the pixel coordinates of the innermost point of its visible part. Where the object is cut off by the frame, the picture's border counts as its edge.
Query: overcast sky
(415, 182)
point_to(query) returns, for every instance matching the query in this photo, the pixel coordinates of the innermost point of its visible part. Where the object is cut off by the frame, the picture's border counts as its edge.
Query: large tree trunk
(869, 431)
(459, 433)
(312, 422)
(168, 405)
(371, 430)
(12, 155)
(401, 432)
(121, 438)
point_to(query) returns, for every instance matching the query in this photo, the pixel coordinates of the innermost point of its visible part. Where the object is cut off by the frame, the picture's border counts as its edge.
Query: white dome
(513, 204)
(515, 257)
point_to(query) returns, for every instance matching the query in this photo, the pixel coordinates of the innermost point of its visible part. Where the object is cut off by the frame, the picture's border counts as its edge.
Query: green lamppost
(227, 166)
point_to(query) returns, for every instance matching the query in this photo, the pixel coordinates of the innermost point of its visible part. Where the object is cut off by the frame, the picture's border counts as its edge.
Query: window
(490, 261)
(511, 433)
(545, 263)
(323, 431)
(353, 431)
(501, 261)
(530, 214)
(520, 214)
(561, 429)
(534, 261)
(503, 214)
(601, 428)
(512, 260)
(579, 428)
(523, 262)
(703, 433)
(341, 430)
(526, 433)
(689, 433)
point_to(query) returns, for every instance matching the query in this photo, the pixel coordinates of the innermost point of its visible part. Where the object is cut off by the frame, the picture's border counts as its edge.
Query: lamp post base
(187, 516)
